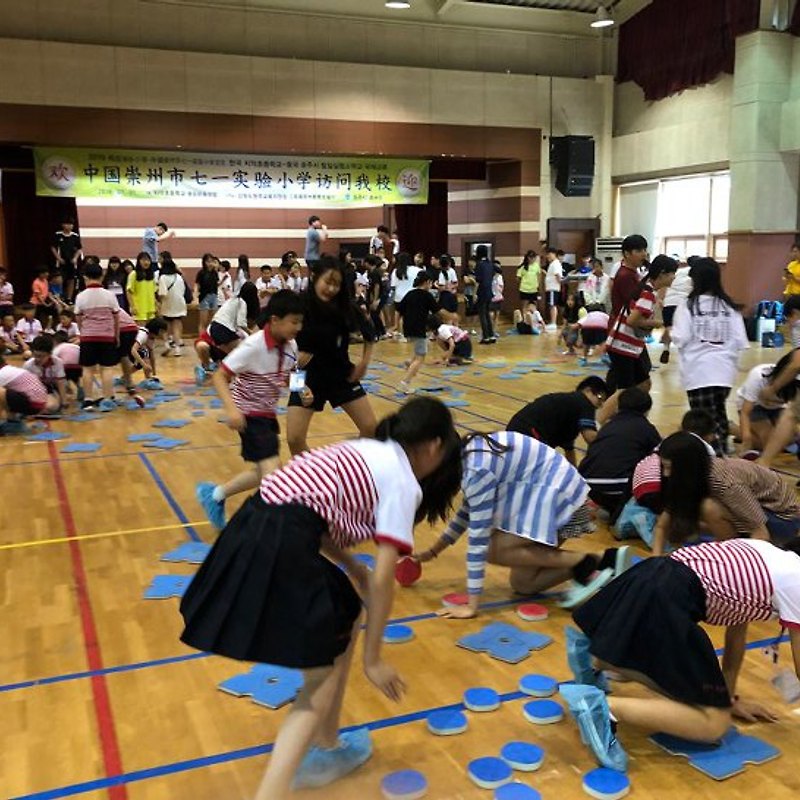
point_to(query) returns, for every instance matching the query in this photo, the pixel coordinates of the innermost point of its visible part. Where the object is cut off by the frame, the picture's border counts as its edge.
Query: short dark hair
(283, 303)
(42, 344)
(156, 325)
(594, 384)
(67, 312)
(162, 225)
(43, 271)
(635, 399)
(27, 307)
(481, 251)
(698, 421)
(382, 229)
(93, 271)
(265, 266)
(634, 242)
(312, 219)
(60, 337)
(423, 277)
(552, 250)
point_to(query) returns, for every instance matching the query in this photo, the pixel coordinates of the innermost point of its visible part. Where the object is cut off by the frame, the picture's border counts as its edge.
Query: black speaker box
(572, 157)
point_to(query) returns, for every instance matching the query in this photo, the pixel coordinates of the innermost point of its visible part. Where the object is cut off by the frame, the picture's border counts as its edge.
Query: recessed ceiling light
(602, 19)
(397, 4)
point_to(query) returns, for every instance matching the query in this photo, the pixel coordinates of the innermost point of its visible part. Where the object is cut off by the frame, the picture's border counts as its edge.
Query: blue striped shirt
(531, 491)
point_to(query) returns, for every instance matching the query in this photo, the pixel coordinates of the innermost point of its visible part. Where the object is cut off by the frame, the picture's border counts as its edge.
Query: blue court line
(173, 503)
(259, 750)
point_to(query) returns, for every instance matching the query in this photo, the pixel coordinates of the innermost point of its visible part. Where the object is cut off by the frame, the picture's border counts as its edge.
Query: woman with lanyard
(329, 318)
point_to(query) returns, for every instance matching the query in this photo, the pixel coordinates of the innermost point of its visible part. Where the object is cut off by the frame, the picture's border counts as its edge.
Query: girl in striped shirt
(271, 590)
(646, 626)
(521, 500)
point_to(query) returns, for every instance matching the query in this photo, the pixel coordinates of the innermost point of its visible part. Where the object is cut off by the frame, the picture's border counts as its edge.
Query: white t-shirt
(29, 329)
(750, 390)
(263, 295)
(68, 353)
(48, 374)
(404, 286)
(225, 288)
(233, 314)
(171, 291)
(448, 332)
(72, 330)
(498, 284)
(594, 319)
(6, 294)
(709, 343)
(552, 278)
(680, 288)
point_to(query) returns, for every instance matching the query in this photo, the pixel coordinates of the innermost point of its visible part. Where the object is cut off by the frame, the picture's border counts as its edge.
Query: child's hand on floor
(386, 678)
(750, 711)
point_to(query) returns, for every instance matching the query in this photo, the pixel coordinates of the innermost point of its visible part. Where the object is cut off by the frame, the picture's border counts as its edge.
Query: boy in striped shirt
(252, 378)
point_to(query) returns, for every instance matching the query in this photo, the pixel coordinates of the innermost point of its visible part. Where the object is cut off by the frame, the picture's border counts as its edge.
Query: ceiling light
(602, 19)
(397, 4)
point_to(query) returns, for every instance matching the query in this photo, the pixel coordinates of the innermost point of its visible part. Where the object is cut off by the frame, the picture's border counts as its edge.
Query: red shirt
(626, 281)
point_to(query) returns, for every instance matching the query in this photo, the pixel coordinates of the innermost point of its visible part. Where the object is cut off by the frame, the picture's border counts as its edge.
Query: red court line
(112, 760)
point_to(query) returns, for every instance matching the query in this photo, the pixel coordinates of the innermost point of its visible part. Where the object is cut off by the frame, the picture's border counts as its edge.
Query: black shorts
(19, 403)
(126, 342)
(103, 354)
(667, 314)
(73, 374)
(336, 390)
(553, 299)
(592, 337)
(463, 349)
(260, 438)
(626, 371)
(530, 297)
(220, 334)
(448, 302)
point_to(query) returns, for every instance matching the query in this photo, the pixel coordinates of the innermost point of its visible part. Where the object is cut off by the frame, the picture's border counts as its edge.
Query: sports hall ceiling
(550, 16)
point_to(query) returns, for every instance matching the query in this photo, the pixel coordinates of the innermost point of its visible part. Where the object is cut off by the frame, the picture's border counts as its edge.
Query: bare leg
(716, 519)
(532, 580)
(250, 479)
(360, 411)
(782, 435)
(661, 714)
(761, 431)
(413, 368)
(107, 379)
(298, 420)
(88, 382)
(203, 353)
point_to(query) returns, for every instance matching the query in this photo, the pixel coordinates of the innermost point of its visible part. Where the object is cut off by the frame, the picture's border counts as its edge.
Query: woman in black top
(207, 283)
(324, 341)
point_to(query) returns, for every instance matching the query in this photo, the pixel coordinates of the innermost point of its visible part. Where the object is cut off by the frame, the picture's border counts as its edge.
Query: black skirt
(647, 620)
(266, 594)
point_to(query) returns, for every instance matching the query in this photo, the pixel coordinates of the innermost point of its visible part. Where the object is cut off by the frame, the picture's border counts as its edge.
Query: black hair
(113, 260)
(27, 307)
(288, 257)
(43, 271)
(659, 265)
(249, 294)
(594, 384)
(526, 261)
(792, 546)
(634, 242)
(423, 277)
(265, 266)
(42, 344)
(788, 392)
(114, 273)
(635, 399)
(68, 221)
(67, 312)
(382, 229)
(312, 219)
(60, 337)
(791, 305)
(551, 250)
(481, 251)
(156, 325)
(402, 261)
(692, 260)
(162, 225)
(283, 303)
(572, 315)
(707, 280)
(226, 265)
(244, 266)
(433, 322)
(207, 257)
(143, 274)
(91, 260)
(422, 420)
(699, 422)
(340, 304)
(127, 263)
(687, 485)
(93, 272)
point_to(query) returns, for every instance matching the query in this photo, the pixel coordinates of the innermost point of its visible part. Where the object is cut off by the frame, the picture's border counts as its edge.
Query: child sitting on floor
(529, 324)
(49, 369)
(66, 323)
(573, 313)
(28, 327)
(11, 341)
(453, 340)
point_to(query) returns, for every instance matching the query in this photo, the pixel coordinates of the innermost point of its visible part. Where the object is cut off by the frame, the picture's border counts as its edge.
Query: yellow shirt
(792, 278)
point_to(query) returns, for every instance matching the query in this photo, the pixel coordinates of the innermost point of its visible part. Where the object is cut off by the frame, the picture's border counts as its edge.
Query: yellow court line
(104, 535)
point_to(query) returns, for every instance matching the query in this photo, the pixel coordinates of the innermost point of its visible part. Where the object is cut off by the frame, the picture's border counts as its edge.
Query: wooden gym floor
(98, 698)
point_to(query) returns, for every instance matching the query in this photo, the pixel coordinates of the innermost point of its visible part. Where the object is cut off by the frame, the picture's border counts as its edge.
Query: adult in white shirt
(597, 287)
(552, 285)
(675, 295)
(709, 333)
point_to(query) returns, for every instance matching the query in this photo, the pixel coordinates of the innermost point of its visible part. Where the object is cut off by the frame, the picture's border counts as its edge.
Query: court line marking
(171, 501)
(104, 714)
(229, 756)
(102, 535)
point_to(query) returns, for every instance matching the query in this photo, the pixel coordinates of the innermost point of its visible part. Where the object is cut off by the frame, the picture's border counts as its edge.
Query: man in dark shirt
(67, 249)
(557, 419)
(484, 273)
(621, 444)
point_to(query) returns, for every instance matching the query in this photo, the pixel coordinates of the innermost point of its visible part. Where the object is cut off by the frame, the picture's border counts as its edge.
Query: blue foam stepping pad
(407, 784)
(522, 756)
(198, 413)
(84, 417)
(453, 403)
(510, 376)
(538, 685)
(606, 784)
(543, 712)
(397, 634)
(495, 365)
(164, 586)
(516, 791)
(48, 436)
(165, 443)
(481, 699)
(722, 760)
(453, 373)
(81, 447)
(144, 437)
(447, 723)
(489, 773)
(215, 403)
(171, 423)
(189, 552)
(574, 373)
(267, 685)
(504, 642)
(530, 363)
(132, 405)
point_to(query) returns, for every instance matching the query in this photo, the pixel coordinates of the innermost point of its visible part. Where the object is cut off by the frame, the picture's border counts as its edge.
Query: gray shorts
(420, 346)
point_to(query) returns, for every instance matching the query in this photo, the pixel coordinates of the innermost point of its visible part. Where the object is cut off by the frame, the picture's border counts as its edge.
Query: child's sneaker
(106, 405)
(406, 388)
(580, 660)
(321, 767)
(583, 362)
(215, 511)
(199, 375)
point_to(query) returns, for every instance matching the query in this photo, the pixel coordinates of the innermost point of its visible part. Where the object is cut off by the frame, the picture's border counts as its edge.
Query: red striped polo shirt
(622, 339)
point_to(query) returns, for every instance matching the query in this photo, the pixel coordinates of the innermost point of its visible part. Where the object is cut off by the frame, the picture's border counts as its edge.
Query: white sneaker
(406, 388)
(551, 328)
(402, 339)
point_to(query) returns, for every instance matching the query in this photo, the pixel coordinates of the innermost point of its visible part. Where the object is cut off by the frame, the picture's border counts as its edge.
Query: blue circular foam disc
(397, 634)
(543, 712)
(481, 699)
(447, 723)
(538, 685)
(516, 791)
(522, 756)
(489, 773)
(606, 784)
(407, 784)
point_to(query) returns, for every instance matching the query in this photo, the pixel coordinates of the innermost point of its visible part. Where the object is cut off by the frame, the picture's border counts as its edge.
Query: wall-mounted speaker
(572, 158)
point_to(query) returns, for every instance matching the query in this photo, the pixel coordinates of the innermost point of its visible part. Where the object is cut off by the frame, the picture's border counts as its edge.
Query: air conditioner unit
(609, 250)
